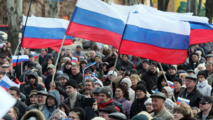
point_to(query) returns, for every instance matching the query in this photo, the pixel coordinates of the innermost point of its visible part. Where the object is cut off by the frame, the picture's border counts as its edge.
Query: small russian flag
(74, 59)
(180, 99)
(6, 83)
(21, 59)
(34, 54)
(171, 84)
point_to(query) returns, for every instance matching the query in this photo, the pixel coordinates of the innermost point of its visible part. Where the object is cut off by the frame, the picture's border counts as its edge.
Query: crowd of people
(96, 88)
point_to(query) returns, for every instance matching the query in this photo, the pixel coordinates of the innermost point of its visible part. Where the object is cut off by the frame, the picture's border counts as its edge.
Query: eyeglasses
(203, 103)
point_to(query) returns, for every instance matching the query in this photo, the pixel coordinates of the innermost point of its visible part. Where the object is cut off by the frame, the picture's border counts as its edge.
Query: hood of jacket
(33, 73)
(55, 94)
(202, 84)
(169, 91)
(33, 113)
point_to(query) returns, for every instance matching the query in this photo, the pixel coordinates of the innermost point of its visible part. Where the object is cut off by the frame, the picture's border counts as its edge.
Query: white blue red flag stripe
(6, 83)
(180, 99)
(97, 21)
(21, 59)
(148, 36)
(43, 32)
(34, 54)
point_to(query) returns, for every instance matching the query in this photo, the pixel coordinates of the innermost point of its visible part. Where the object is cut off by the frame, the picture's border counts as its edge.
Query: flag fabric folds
(148, 36)
(34, 54)
(21, 59)
(180, 99)
(97, 21)
(6, 83)
(6, 102)
(43, 32)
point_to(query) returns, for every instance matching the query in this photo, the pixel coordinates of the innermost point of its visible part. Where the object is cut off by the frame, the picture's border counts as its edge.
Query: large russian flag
(201, 33)
(97, 21)
(43, 32)
(156, 38)
(21, 59)
(6, 83)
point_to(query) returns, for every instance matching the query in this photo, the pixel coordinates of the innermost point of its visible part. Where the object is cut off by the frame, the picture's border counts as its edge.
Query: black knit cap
(154, 63)
(141, 87)
(71, 83)
(134, 71)
(202, 73)
(178, 80)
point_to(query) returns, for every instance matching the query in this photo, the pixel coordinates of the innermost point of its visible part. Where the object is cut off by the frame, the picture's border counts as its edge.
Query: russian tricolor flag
(6, 83)
(97, 21)
(34, 54)
(74, 59)
(171, 84)
(21, 59)
(180, 99)
(156, 38)
(43, 32)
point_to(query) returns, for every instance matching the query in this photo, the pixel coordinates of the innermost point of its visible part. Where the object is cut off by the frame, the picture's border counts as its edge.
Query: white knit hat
(127, 81)
(148, 101)
(111, 72)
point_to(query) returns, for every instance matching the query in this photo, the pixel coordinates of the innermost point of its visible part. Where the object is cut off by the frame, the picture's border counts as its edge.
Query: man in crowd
(78, 52)
(89, 85)
(191, 93)
(125, 62)
(76, 74)
(15, 92)
(177, 85)
(205, 106)
(158, 100)
(13, 112)
(51, 68)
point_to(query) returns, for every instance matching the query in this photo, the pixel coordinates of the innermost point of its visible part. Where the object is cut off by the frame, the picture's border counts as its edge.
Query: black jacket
(80, 101)
(128, 65)
(28, 88)
(138, 106)
(193, 96)
(78, 77)
(210, 116)
(21, 107)
(150, 79)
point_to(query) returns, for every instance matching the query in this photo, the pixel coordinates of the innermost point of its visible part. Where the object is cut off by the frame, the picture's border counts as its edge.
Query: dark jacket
(21, 107)
(138, 106)
(78, 77)
(199, 115)
(80, 101)
(128, 65)
(193, 96)
(42, 61)
(150, 79)
(112, 103)
(47, 111)
(28, 88)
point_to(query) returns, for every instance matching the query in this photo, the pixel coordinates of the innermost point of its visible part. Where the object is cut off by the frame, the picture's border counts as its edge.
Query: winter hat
(134, 71)
(141, 87)
(169, 103)
(148, 101)
(173, 67)
(99, 82)
(127, 81)
(117, 115)
(202, 73)
(192, 77)
(142, 82)
(111, 72)
(65, 76)
(159, 95)
(140, 117)
(51, 66)
(178, 80)
(145, 61)
(106, 90)
(96, 90)
(108, 109)
(169, 91)
(71, 83)
(154, 63)
(7, 117)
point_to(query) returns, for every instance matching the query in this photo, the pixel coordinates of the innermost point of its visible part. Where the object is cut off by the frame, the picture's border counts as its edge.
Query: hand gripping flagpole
(166, 80)
(23, 34)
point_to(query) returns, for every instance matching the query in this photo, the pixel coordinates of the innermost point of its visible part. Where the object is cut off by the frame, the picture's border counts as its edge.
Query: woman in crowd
(148, 104)
(182, 112)
(68, 68)
(122, 96)
(135, 79)
(58, 114)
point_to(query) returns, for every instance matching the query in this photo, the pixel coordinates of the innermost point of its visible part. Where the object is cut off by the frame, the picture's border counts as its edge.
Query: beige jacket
(164, 113)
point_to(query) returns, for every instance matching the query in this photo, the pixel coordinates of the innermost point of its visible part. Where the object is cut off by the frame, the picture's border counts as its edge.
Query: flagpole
(116, 60)
(166, 80)
(58, 58)
(23, 34)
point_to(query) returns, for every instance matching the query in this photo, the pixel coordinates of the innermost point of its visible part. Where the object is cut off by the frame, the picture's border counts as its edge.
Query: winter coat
(112, 103)
(150, 79)
(42, 61)
(204, 88)
(164, 113)
(210, 79)
(128, 65)
(80, 101)
(138, 106)
(193, 96)
(126, 106)
(28, 88)
(78, 77)
(21, 107)
(33, 113)
(131, 94)
(209, 117)
(47, 111)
